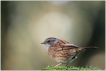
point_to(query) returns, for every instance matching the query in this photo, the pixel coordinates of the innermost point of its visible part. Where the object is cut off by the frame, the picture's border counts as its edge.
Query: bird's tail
(92, 47)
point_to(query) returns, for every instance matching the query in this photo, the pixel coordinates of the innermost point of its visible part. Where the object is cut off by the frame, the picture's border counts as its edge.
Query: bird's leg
(58, 64)
(66, 65)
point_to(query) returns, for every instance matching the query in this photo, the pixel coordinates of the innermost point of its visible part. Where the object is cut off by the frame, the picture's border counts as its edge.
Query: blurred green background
(25, 24)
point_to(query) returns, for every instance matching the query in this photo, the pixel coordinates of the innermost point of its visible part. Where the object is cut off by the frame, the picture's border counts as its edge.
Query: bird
(62, 51)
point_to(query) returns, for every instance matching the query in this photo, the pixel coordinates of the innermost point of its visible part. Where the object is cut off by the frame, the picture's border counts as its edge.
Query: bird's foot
(58, 65)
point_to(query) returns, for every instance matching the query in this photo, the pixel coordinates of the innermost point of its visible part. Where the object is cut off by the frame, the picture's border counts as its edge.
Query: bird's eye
(48, 41)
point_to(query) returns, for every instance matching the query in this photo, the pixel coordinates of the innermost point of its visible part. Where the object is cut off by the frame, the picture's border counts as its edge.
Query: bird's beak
(42, 43)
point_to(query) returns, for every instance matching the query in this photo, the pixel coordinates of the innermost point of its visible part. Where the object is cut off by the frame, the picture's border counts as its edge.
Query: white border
(51, 0)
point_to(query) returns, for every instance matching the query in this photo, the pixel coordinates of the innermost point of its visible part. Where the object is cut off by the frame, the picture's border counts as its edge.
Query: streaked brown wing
(63, 45)
(63, 49)
(69, 46)
(59, 53)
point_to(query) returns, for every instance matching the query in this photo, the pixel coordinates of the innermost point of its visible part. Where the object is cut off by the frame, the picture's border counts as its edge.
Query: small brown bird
(62, 51)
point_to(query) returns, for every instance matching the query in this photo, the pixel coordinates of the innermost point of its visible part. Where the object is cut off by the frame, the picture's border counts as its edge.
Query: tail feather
(92, 47)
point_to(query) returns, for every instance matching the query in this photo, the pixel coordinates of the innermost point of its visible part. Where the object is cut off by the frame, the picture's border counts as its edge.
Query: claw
(58, 64)
(66, 65)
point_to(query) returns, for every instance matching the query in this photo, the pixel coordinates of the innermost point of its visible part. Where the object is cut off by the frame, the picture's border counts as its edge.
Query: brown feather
(62, 51)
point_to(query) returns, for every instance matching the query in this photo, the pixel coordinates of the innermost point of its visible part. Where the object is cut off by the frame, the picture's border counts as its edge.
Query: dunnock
(62, 51)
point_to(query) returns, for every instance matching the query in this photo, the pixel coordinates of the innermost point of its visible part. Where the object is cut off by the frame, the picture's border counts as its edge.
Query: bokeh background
(25, 24)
